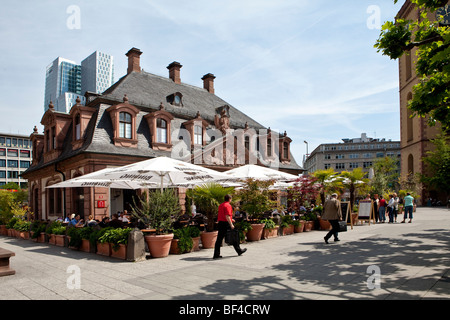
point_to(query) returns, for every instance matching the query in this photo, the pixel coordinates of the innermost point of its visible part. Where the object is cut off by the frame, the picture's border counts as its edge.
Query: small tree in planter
(254, 199)
(208, 198)
(158, 211)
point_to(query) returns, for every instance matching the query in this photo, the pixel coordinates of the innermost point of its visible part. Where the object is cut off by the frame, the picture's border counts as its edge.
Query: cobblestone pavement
(377, 261)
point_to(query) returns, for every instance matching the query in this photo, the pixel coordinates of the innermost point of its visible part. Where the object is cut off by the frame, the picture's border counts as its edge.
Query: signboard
(346, 214)
(366, 210)
(101, 204)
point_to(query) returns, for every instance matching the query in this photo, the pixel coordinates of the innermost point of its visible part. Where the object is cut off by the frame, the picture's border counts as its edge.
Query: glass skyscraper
(66, 80)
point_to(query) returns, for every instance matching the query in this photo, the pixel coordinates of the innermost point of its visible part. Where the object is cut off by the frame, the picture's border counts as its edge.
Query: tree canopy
(431, 96)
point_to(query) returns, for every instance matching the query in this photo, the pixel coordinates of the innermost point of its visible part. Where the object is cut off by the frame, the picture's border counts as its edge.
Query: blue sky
(305, 67)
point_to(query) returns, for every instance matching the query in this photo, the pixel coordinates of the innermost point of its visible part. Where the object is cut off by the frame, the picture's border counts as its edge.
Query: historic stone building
(140, 117)
(415, 134)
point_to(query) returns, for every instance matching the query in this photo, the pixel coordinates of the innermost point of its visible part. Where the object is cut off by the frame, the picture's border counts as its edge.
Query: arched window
(198, 135)
(125, 125)
(286, 150)
(409, 120)
(410, 164)
(269, 147)
(161, 130)
(77, 127)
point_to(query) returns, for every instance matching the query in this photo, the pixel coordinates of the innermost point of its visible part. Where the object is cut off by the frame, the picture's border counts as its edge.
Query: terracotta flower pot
(104, 249)
(59, 240)
(120, 253)
(209, 239)
(41, 237)
(256, 232)
(159, 245)
(196, 246)
(270, 233)
(289, 230)
(309, 225)
(324, 224)
(25, 235)
(300, 227)
(174, 248)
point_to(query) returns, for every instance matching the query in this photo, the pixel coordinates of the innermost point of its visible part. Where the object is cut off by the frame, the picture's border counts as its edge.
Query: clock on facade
(443, 14)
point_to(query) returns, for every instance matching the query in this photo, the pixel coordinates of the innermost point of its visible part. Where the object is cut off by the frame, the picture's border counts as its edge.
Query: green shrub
(115, 236)
(268, 223)
(185, 242)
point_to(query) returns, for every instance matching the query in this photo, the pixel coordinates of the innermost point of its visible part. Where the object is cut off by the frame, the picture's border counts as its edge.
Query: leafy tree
(207, 198)
(386, 175)
(306, 188)
(254, 197)
(327, 180)
(431, 96)
(354, 180)
(438, 164)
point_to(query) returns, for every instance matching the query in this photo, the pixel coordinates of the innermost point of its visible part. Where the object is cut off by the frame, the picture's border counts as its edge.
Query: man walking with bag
(332, 213)
(225, 219)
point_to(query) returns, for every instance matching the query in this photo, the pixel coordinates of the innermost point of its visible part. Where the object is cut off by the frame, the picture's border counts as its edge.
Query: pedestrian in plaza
(382, 209)
(376, 202)
(408, 207)
(396, 202)
(332, 213)
(391, 208)
(225, 220)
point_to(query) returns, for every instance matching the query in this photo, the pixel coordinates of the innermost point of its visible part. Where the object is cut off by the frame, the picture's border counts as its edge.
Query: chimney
(208, 82)
(133, 60)
(174, 72)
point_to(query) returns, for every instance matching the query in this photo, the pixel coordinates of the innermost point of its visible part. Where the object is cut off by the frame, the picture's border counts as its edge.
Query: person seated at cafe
(76, 221)
(91, 222)
(104, 223)
(115, 222)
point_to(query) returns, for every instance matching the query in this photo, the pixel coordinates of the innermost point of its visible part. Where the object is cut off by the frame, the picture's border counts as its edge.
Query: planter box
(41, 237)
(104, 249)
(59, 240)
(270, 233)
(3, 231)
(287, 231)
(52, 239)
(121, 253)
(85, 245)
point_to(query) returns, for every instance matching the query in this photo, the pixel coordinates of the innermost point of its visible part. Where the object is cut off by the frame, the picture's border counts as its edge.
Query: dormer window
(123, 117)
(198, 135)
(77, 127)
(161, 130)
(175, 99)
(125, 125)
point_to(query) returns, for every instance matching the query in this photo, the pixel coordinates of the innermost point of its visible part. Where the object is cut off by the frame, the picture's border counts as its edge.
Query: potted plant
(158, 211)
(50, 233)
(270, 228)
(207, 198)
(59, 233)
(37, 231)
(85, 243)
(299, 225)
(243, 227)
(10, 226)
(74, 237)
(194, 233)
(287, 225)
(254, 199)
(113, 242)
(182, 241)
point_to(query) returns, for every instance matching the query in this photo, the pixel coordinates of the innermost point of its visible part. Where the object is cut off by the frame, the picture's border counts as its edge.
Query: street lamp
(307, 153)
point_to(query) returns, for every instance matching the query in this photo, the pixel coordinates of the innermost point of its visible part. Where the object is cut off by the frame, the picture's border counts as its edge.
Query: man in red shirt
(225, 220)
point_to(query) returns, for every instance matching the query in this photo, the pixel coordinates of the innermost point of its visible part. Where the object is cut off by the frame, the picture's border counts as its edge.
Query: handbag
(342, 226)
(232, 236)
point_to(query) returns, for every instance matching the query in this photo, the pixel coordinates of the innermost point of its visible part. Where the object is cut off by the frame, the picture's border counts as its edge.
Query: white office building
(97, 72)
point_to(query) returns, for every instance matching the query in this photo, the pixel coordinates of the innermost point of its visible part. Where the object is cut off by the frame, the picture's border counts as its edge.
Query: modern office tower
(15, 158)
(62, 76)
(97, 72)
(65, 80)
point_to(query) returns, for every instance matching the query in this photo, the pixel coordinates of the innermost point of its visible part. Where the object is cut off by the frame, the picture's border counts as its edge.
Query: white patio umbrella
(259, 173)
(90, 180)
(164, 171)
